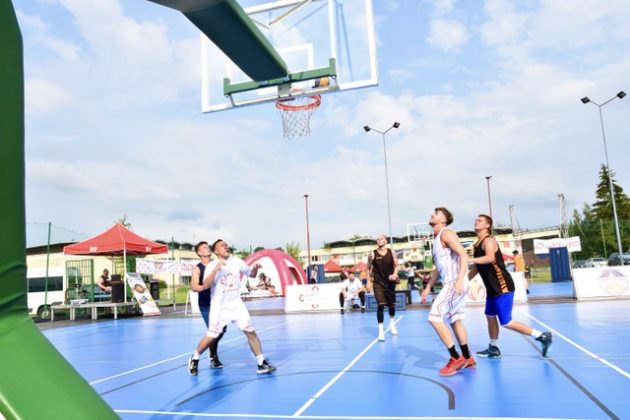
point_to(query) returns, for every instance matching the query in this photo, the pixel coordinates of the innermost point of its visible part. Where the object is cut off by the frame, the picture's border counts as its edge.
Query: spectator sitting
(104, 283)
(352, 293)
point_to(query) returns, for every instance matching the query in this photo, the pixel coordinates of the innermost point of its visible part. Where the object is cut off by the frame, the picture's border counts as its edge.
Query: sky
(480, 88)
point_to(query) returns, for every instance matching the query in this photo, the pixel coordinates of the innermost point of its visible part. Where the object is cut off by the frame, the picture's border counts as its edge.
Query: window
(38, 284)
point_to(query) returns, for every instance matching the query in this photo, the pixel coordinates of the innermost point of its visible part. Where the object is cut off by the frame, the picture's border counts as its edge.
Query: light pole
(367, 128)
(586, 100)
(488, 178)
(308, 238)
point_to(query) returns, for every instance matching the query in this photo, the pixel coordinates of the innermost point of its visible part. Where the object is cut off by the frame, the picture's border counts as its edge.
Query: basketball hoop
(296, 115)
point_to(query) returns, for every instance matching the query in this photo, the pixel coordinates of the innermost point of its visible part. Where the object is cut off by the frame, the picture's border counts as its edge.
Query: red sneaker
(469, 363)
(452, 366)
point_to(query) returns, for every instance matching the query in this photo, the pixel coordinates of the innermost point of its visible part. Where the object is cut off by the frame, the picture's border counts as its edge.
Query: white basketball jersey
(446, 261)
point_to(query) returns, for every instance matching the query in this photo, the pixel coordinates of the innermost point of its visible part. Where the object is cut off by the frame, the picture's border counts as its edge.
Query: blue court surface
(330, 366)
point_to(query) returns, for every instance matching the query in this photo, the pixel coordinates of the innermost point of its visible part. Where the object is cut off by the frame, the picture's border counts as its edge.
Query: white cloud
(44, 97)
(126, 136)
(447, 34)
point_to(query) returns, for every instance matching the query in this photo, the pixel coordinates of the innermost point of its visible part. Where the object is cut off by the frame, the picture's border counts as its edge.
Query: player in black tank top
(383, 268)
(495, 276)
(488, 263)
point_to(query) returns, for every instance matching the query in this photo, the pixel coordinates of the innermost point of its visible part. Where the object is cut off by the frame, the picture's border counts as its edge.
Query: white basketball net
(296, 115)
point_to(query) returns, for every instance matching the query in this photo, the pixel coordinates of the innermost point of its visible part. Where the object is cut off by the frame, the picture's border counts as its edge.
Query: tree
(293, 249)
(603, 206)
(124, 220)
(595, 225)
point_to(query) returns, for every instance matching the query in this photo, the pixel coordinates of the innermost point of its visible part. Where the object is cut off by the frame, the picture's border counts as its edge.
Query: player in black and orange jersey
(488, 262)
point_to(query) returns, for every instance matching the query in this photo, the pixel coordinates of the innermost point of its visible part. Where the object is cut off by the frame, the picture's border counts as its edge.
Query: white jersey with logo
(226, 303)
(226, 286)
(446, 261)
(448, 305)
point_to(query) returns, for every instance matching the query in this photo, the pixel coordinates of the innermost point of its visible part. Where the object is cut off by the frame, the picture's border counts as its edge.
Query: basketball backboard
(327, 45)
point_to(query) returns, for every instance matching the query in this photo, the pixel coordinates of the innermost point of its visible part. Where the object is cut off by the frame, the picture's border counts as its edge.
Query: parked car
(579, 263)
(613, 259)
(596, 262)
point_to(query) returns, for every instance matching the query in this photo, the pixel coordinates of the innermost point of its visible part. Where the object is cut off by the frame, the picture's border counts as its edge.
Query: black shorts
(385, 295)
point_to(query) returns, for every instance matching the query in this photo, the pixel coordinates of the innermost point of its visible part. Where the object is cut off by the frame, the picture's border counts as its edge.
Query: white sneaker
(392, 328)
(381, 333)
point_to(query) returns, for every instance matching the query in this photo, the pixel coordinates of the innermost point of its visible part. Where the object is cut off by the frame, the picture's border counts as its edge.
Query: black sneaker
(362, 309)
(265, 368)
(215, 363)
(490, 352)
(343, 311)
(192, 366)
(545, 339)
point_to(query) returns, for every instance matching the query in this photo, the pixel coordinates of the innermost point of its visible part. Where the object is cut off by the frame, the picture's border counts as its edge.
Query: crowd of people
(218, 283)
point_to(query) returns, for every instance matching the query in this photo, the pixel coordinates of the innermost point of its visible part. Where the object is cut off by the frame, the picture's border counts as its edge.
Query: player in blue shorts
(488, 262)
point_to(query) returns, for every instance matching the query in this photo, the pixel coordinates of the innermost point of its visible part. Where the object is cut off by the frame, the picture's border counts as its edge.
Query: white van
(39, 301)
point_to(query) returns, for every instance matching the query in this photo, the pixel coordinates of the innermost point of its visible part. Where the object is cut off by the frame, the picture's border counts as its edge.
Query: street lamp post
(488, 178)
(586, 100)
(367, 128)
(308, 238)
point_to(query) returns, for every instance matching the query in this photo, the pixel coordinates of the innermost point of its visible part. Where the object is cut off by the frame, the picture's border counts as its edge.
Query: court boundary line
(170, 359)
(579, 347)
(330, 383)
(285, 416)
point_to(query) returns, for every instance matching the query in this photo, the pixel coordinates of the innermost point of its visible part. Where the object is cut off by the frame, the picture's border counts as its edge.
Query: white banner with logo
(602, 282)
(572, 244)
(141, 293)
(181, 267)
(312, 297)
(477, 290)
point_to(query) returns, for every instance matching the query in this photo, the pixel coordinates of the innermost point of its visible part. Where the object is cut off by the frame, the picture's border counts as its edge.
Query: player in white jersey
(451, 265)
(224, 275)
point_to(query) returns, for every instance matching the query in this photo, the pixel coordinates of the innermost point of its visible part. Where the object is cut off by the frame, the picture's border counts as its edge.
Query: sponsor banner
(141, 293)
(182, 267)
(602, 282)
(193, 300)
(477, 291)
(572, 244)
(312, 297)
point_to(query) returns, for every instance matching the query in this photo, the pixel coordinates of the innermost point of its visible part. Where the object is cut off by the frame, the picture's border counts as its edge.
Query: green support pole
(36, 382)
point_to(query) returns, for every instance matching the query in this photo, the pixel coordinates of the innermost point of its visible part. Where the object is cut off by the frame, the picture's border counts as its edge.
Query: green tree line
(595, 223)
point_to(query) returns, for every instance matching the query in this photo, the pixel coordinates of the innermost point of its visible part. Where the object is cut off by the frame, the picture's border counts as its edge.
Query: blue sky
(480, 88)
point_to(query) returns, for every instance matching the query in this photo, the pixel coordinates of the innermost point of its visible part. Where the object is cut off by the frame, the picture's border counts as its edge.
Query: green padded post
(227, 25)
(36, 382)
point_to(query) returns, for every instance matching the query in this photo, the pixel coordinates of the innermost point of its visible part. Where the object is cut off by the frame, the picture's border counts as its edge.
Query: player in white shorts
(224, 275)
(451, 267)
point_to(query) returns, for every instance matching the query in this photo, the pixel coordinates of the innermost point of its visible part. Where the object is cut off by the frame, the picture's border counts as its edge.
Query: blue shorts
(501, 307)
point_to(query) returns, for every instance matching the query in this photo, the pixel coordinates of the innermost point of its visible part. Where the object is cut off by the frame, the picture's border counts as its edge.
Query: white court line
(175, 357)
(339, 375)
(281, 416)
(576, 345)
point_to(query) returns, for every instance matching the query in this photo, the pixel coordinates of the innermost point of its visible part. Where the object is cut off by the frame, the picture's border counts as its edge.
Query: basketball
(322, 82)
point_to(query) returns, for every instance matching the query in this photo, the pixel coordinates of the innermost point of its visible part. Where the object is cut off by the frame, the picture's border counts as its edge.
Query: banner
(602, 282)
(477, 291)
(141, 293)
(572, 244)
(312, 297)
(181, 267)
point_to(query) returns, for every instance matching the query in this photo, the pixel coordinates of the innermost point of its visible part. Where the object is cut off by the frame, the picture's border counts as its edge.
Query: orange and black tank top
(495, 276)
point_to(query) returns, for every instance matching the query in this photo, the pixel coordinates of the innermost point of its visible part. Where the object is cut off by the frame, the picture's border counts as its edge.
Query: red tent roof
(117, 240)
(360, 266)
(332, 267)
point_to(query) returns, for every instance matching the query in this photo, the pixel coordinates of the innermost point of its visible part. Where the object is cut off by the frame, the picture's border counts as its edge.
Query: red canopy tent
(358, 267)
(116, 241)
(332, 267)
